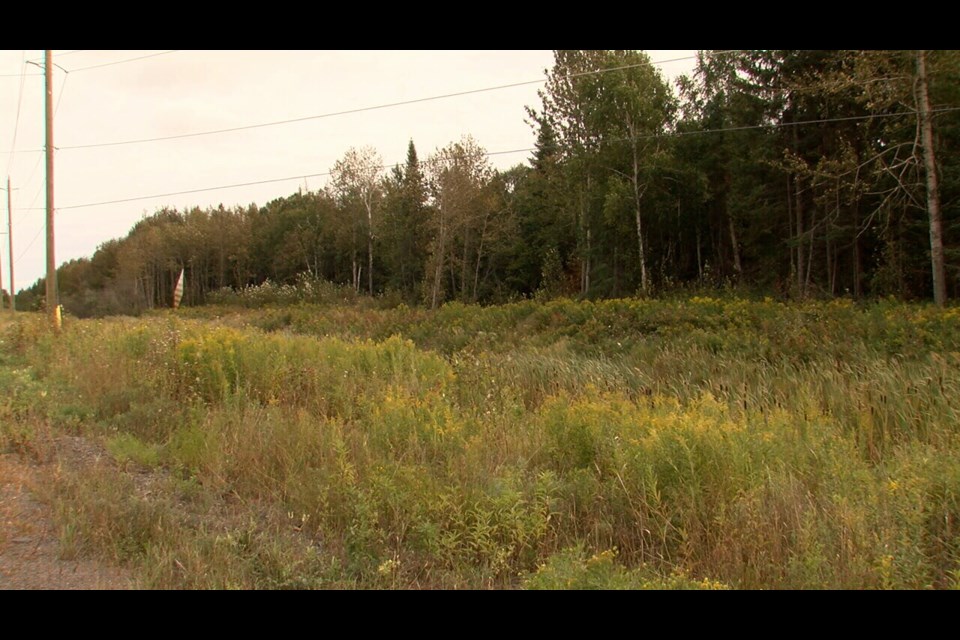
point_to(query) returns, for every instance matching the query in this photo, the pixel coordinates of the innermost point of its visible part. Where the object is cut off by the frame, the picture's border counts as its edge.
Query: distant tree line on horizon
(793, 173)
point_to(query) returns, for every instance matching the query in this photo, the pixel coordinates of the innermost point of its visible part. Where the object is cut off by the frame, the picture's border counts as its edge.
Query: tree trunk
(637, 196)
(464, 264)
(439, 258)
(793, 261)
(800, 261)
(643, 260)
(856, 250)
(586, 267)
(354, 267)
(583, 240)
(370, 247)
(734, 245)
(813, 228)
(699, 260)
(933, 187)
(476, 273)
(828, 258)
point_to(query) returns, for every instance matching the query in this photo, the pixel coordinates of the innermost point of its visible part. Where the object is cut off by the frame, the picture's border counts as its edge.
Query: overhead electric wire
(30, 244)
(780, 125)
(246, 184)
(110, 64)
(188, 191)
(290, 121)
(20, 221)
(92, 66)
(387, 105)
(16, 124)
(36, 164)
(669, 134)
(39, 61)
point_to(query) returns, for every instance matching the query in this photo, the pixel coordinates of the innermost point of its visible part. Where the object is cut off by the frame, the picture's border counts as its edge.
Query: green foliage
(574, 569)
(127, 448)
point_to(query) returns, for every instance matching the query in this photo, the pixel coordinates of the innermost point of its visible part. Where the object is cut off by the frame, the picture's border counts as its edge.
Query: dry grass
(634, 444)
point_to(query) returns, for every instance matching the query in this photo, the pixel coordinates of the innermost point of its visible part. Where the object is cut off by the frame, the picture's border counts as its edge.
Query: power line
(246, 184)
(30, 208)
(363, 109)
(374, 107)
(16, 124)
(36, 164)
(59, 55)
(30, 244)
(60, 95)
(493, 153)
(21, 214)
(780, 125)
(110, 64)
(33, 201)
(503, 153)
(93, 66)
(302, 119)
(356, 110)
(189, 191)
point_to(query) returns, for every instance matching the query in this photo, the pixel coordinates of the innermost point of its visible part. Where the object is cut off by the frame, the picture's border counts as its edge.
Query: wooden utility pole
(13, 297)
(53, 306)
(933, 186)
(10, 233)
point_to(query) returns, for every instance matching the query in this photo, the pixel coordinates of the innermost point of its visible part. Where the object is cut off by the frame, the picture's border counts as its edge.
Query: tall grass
(628, 443)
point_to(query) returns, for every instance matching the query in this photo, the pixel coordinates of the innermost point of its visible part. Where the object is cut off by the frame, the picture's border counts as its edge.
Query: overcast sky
(133, 97)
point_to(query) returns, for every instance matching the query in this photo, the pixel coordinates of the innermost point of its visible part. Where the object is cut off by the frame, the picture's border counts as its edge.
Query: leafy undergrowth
(701, 443)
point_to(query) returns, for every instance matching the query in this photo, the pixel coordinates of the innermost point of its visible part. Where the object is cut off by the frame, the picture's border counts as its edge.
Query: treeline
(796, 173)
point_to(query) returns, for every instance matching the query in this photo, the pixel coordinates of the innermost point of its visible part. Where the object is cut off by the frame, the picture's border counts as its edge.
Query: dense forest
(791, 173)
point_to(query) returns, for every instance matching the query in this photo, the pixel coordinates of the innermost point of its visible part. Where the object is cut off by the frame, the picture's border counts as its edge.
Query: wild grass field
(642, 444)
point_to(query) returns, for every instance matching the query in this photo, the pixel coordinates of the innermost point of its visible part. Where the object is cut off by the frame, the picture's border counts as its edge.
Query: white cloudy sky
(184, 92)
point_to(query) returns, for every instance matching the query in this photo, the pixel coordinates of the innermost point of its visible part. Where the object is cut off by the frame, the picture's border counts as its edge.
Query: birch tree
(356, 182)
